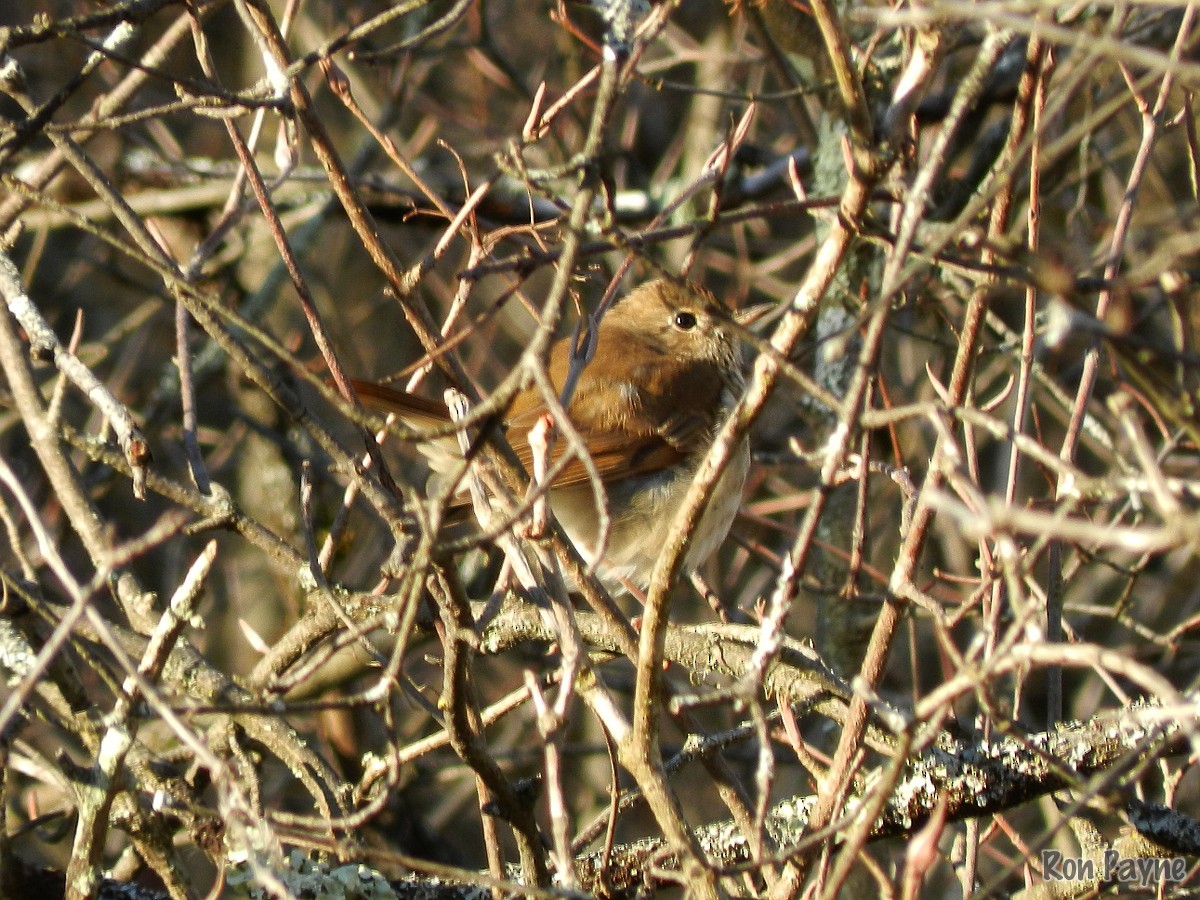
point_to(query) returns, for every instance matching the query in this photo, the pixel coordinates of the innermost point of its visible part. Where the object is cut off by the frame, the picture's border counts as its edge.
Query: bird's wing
(616, 452)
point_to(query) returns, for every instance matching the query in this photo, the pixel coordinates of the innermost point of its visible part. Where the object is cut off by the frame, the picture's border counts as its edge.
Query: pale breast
(642, 511)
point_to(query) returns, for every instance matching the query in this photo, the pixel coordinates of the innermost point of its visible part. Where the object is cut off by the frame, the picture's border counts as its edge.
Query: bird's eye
(685, 320)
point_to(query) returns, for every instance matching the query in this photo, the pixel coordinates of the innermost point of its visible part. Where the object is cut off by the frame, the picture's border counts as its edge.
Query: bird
(665, 371)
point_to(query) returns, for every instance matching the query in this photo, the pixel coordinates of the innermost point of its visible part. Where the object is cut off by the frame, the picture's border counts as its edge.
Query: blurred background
(1043, 182)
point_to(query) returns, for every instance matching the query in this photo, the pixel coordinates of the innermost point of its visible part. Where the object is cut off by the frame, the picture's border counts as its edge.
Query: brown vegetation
(953, 626)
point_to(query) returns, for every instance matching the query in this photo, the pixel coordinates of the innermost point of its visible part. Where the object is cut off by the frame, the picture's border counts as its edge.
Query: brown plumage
(665, 370)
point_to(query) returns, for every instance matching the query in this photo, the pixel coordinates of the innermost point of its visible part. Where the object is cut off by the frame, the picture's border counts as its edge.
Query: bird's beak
(758, 313)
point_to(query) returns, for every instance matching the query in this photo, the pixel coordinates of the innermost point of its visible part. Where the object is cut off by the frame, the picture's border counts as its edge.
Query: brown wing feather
(615, 454)
(417, 411)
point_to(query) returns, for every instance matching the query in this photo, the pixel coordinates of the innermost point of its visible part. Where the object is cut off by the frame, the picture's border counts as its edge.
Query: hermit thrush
(666, 368)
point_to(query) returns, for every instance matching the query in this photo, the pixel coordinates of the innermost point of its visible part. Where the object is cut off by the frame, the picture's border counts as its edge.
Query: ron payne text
(1112, 867)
